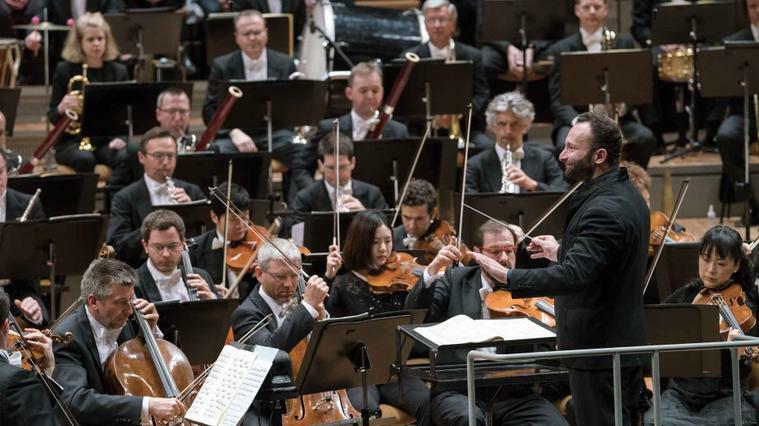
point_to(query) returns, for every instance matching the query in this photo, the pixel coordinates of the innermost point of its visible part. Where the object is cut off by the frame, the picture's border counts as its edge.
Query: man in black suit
(26, 301)
(160, 279)
(207, 252)
(599, 271)
(252, 62)
(529, 166)
(355, 195)
(440, 20)
(419, 214)
(23, 400)
(99, 326)
(158, 156)
(463, 290)
(730, 133)
(365, 91)
(640, 141)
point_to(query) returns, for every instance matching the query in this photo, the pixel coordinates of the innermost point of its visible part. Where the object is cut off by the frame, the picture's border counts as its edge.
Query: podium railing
(616, 353)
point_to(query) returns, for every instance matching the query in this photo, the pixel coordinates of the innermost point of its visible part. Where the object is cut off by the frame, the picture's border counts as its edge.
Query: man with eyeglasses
(446, 292)
(513, 166)
(159, 278)
(130, 206)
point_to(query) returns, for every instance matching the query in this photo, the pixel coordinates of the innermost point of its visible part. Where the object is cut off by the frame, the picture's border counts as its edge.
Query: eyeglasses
(282, 277)
(496, 250)
(172, 111)
(173, 247)
(160, 156)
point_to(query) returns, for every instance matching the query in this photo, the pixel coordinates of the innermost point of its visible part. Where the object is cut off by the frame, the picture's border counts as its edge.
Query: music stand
(199, 328)
(356, 352)
(220, 28)
(678, 265)
(515, 209)
(208, 169)
(141, 33)
(684, 323)
(386, 163)
(9, 97)
(319, 227)
(523, 20)
(276, 103)
(432, 76)
(692, 23)
(733, 71)
(617, 76)
(196, 216)
(63, 245)
(61, 194)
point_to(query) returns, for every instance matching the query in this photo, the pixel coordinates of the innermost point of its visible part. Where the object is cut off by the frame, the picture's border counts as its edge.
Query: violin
(659, 225)
(399, 273)
(15, 343)
(441, 234)
(501, 304)
(734, 312)
(240, 252)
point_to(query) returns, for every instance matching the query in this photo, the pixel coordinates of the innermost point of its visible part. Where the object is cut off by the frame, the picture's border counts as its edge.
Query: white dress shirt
(3, 205)
(159, 192)
(592, 41)
(755, 32)
(447, 53)
(171, 287)
(278, 309)
(362, 126)
(255, 69)
(346, 189)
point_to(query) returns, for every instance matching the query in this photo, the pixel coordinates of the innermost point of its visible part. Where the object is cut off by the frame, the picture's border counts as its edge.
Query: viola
(501, 304)
(659, 225)
(15, 343)
(441, 234)
(399, 273)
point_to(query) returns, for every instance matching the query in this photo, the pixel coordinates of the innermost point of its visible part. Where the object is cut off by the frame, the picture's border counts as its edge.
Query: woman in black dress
(368, 245)
(89, 42)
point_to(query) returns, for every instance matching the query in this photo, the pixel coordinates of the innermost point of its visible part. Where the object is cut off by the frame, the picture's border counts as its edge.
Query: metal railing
(616, 353)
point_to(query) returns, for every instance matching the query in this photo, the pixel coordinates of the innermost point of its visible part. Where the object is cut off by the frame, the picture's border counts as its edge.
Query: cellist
(99, 326)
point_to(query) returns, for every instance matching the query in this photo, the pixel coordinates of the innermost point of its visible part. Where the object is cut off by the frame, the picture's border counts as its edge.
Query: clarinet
(170, 186)
(507, 186)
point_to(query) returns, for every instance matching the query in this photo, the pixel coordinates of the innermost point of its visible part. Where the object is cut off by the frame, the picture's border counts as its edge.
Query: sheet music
(462, 329)
(231, 386)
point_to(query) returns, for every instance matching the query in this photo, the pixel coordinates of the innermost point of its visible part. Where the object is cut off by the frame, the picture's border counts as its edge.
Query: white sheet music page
(462, 329)
(231, 386)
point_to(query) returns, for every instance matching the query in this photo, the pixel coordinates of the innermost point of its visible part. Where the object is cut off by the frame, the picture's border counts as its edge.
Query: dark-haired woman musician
(708, 400)
(368, 246)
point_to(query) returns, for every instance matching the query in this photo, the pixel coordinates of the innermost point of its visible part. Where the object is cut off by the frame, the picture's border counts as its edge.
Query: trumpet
(75, 88)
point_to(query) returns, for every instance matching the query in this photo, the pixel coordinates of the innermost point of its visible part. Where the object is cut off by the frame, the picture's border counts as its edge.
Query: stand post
(51, 264)
(523, 34)
(746, 184)
(428, 106)
(269, 143)
(46, 40)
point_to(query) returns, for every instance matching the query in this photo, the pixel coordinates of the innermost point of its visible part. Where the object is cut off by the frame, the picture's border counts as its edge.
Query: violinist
(22, 397)
(159, 278)
(418, 213)
(99, 326)
(368, 246)
(463, 290)
(26, 303)
(721, 263)
(208, 251)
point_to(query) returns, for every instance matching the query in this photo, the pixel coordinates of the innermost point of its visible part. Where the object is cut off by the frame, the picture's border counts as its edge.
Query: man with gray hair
(513, 166)
(99, 326)
(440, 20)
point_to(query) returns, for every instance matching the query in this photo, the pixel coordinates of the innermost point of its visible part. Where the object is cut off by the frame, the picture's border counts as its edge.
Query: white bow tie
(255, 65)
(591, 39)
(169, 280)
(217, 243)
(109, 334)
(409, 241)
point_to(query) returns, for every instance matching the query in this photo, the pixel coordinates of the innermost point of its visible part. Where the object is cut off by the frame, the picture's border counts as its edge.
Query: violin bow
(336, 210)
(657, 255)
(410, 174)
(463, 173)
(226, 227)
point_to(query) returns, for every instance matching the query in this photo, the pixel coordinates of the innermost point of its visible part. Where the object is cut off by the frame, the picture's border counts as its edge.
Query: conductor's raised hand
(543, 247)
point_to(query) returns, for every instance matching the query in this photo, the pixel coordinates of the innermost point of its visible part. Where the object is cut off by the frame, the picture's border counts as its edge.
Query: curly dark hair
(419, 193)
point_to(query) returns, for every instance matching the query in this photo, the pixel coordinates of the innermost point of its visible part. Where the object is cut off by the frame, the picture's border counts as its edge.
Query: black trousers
(450, 408)
(640, 142)
(731, 146)
(415, 399)
(593, 395)
(69, 154)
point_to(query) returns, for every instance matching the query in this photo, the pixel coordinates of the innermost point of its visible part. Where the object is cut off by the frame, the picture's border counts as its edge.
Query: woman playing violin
(721, 263)
(369, 245)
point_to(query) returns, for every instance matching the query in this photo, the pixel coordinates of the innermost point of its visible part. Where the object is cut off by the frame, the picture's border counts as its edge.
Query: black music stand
(515, 209)
(220, 38)
(147, 32)
(61, 194)
(123, 108)
(678, 265)
(198, 328)
(276, 103)
(523, 20)
(386, 163)
(685, 323)
(318, 229)
(208, 169)
(63, 245)
(618, 76)
(9, 97)
(356, 352)
(733, 71)
(428, 90)
(196, 216)
(692, 23)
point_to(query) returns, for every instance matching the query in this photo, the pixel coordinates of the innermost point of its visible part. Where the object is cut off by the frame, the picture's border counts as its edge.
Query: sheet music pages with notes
(461, 329)
(231, 386)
